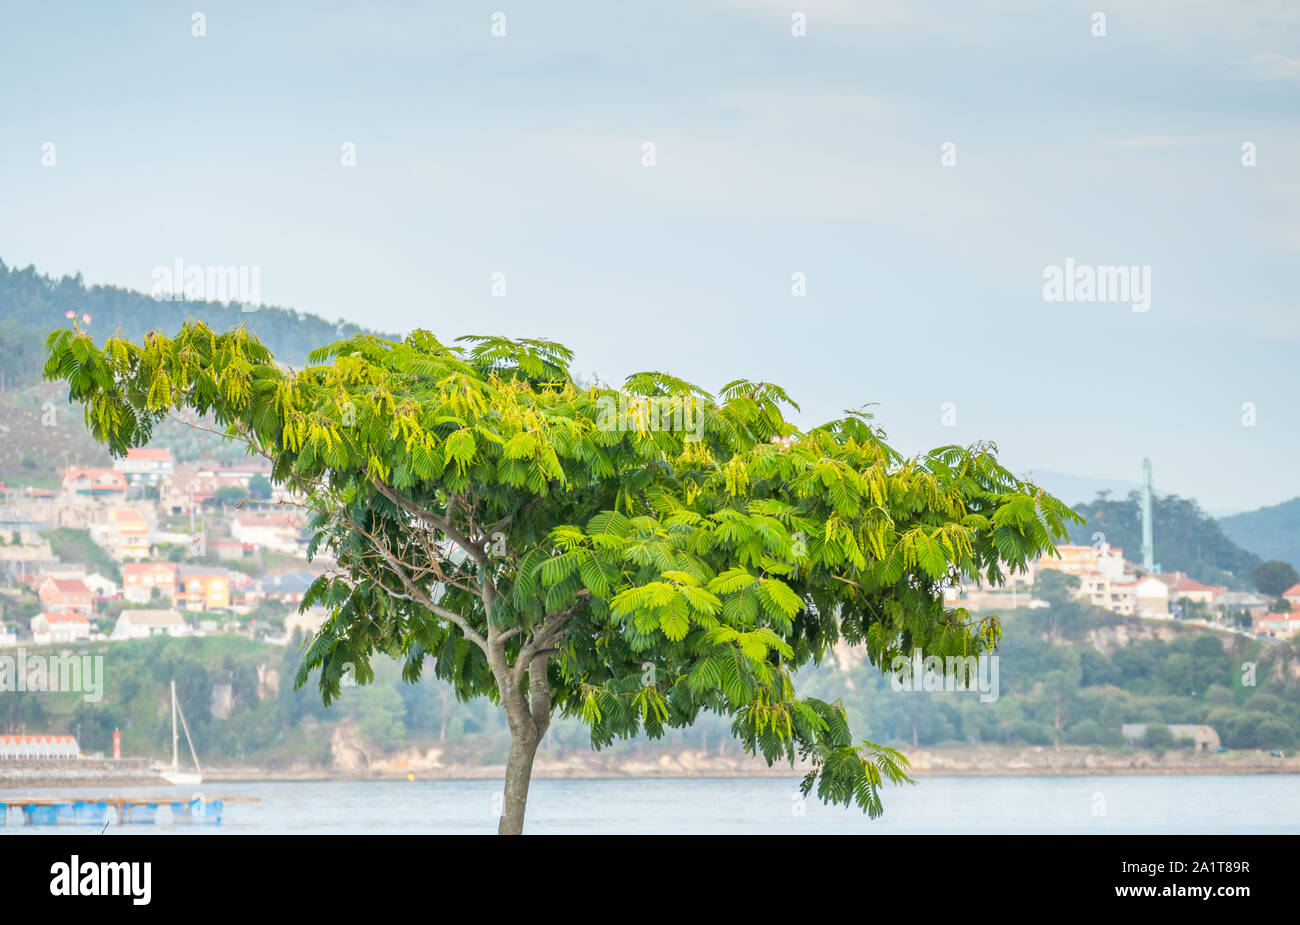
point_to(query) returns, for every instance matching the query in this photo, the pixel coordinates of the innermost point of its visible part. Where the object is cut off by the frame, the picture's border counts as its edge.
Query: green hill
(31, 305)
(1270, 533)
(1186, 538)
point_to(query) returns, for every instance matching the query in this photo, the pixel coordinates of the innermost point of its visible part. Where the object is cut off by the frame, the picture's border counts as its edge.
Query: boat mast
(188, 740)
(175, 738)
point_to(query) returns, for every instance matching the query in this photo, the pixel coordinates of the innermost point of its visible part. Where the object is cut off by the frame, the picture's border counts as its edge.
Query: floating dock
(131, 810)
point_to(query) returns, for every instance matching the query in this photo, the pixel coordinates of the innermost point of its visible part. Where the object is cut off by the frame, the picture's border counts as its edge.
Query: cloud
(1269, 65)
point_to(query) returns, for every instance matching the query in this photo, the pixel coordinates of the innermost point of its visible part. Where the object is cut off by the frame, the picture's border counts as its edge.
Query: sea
(1191, 804)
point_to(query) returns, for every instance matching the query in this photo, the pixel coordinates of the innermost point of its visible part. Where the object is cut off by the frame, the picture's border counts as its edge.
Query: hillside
(31, 305)
(1186, 538)
(1074, 684)
(1270, 533)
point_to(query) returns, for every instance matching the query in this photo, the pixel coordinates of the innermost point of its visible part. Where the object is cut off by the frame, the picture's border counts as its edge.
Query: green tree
(259, 488)
(228, 495)
(1158, 737)
(635, 559)
(380, 712)
(1273, 577)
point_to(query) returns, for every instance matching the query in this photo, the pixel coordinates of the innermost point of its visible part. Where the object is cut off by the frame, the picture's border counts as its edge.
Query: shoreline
(973, 761)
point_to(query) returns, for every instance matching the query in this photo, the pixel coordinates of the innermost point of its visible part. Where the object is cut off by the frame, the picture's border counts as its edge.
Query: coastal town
(154, 547)
(206, 547)
(1101, 576)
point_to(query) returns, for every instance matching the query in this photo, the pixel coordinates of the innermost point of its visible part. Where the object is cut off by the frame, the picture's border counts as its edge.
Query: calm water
(1267, 803)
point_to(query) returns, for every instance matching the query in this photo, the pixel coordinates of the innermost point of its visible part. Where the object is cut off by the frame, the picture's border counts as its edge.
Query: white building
(141, 624)
(61, 626)
(100, 585)
(144, 465)
(276, 532)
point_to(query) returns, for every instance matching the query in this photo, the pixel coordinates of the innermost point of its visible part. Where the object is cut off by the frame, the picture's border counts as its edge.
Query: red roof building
(94, 483)
(64, 594)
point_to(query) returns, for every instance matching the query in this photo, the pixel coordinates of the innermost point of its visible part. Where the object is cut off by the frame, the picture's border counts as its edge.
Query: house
(1083, 560)
(1180, 587)
(38, 573)
(1248, 601)
(1292, 594)
(62, 626)
(141, 624)
(202, 588)
(128, 534)
(275, 532)
(1278, 625)
(289, 587)
(38, 746)
(1150, 597)
(101, 586)
(141, 579)
(1138, 596)
(1204, 738)
(145, 466)
(100, 484)
(186, 488)
(65, 595)
(226, 550)
(244, 470)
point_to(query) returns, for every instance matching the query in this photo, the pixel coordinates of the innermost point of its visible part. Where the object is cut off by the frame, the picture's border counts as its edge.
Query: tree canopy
(1273, 578)
(632, 557)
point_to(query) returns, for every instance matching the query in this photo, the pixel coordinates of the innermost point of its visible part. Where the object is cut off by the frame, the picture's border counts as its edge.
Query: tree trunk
(519, 773)
(528, 716)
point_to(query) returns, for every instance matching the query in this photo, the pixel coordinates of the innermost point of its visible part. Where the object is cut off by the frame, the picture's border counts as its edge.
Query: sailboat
(172, 773)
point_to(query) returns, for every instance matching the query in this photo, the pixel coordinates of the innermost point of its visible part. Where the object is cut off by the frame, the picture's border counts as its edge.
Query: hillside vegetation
(1055, 685)
(1270, 533)
(1186, 538)
(31, 305)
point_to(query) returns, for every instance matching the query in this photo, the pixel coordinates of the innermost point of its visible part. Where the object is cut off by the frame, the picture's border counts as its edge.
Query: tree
(1273, 578)
(1064, 609)
(1158, 737)
(227, 495)
(633, 558)
(259, 488)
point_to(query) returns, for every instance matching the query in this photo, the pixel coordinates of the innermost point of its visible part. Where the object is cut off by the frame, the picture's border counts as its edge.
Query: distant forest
(1186, 538)
(1273, 532)
(31, 305)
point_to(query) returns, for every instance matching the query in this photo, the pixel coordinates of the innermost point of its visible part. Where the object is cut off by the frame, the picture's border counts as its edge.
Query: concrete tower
(1148, 541)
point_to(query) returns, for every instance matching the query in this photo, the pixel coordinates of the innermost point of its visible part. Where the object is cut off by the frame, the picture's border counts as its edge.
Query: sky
(923, 165)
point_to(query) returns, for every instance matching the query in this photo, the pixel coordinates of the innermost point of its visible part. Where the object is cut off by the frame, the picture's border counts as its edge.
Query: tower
(1148, 542)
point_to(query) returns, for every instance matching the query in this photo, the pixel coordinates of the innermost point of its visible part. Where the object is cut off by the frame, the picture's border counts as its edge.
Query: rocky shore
(973, 761)
(125, 772)
(435, 764)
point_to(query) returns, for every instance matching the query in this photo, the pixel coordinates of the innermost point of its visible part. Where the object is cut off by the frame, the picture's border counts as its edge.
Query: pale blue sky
(776, 154)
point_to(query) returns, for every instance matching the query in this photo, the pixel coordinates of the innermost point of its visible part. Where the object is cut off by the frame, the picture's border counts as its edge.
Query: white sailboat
(172, 773)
